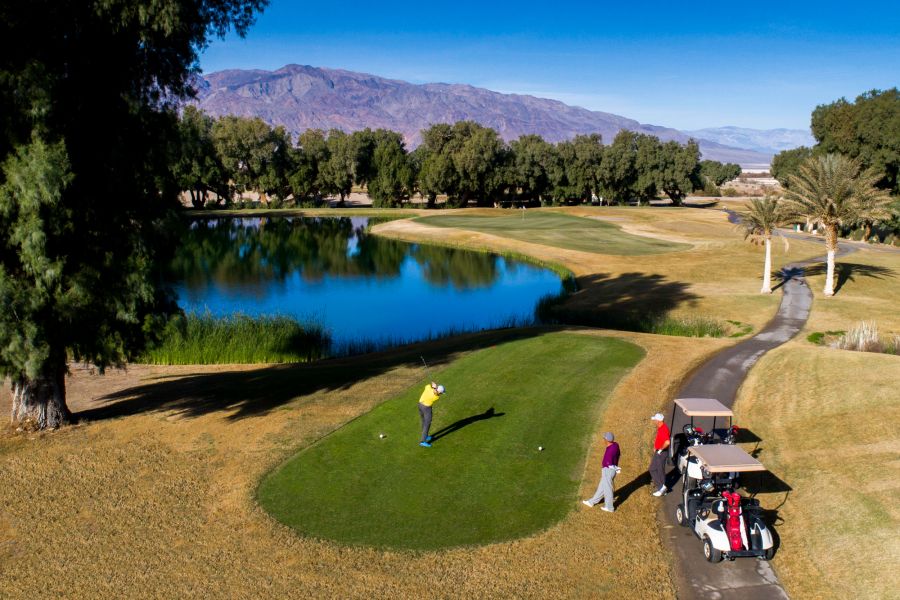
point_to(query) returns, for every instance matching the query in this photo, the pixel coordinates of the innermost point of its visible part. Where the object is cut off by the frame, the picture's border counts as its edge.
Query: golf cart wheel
(680, 516)
(710, 552)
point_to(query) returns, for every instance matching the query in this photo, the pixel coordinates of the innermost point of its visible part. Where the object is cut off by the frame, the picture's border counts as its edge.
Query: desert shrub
(864, 337)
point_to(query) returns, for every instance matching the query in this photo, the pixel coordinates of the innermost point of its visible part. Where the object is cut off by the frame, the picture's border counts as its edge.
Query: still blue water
(359, 286)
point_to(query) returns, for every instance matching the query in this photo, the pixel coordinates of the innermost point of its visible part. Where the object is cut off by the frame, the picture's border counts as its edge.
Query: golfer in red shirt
(658, 462)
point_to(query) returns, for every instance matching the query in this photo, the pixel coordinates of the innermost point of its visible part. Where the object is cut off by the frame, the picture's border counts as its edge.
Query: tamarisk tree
(87, 133)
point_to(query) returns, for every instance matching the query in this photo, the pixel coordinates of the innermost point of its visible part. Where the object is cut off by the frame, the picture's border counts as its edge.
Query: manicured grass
(827, 420)
(484, 480)
(207, 340)
(559, 230)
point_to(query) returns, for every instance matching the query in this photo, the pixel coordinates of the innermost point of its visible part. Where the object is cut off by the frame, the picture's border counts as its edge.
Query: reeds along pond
(206, 339)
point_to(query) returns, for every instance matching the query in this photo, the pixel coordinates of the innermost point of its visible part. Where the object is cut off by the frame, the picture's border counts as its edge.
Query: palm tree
(759, 222)
(831, 191)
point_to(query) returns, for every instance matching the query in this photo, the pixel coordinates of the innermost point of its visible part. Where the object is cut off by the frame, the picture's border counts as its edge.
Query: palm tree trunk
(767, 270)
(831, 243)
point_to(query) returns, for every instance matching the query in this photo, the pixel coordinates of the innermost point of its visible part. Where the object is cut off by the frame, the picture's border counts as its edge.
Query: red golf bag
(733, 526)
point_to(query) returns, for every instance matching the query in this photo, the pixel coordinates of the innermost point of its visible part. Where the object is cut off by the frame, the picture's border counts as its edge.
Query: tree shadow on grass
(454, 427)
(844, 272)
(254, 392)
(629, 301)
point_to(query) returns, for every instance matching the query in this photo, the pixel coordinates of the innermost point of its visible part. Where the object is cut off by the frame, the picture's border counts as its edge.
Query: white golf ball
(382, 436)
(540, 448)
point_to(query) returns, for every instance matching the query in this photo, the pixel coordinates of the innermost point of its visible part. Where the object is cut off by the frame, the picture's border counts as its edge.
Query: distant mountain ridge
(767, 141)
(303, 97)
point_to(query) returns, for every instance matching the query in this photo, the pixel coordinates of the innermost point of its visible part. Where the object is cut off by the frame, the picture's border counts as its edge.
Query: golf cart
(693, 435)
(729, 525)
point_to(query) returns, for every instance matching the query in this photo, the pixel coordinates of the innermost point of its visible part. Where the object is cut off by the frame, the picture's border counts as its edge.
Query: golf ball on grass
(381, 435)
(540, 448)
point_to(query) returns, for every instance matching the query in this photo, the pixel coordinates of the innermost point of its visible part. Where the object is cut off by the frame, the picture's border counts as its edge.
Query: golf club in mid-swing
(427, 370)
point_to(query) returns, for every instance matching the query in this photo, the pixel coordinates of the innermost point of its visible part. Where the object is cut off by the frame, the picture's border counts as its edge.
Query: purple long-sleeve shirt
(611, 456)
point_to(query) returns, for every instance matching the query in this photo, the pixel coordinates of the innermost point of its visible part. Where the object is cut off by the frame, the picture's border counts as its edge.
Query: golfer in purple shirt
(610, 470)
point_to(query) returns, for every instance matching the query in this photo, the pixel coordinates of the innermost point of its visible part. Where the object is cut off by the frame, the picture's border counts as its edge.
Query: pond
(362, 288)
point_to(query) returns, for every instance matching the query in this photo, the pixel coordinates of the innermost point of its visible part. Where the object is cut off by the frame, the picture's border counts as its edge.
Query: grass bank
(205, 339)
(827, 420)
(558, 230)
(485, 479)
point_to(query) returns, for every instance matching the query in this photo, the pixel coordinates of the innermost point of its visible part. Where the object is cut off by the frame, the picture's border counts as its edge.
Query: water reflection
(359, 285)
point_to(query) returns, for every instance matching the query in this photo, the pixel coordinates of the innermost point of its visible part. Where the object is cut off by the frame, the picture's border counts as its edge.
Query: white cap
(657, 417)
(440, 389)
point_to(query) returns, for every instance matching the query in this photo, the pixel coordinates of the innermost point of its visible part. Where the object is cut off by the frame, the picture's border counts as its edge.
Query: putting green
(484, 479)
(559, 230)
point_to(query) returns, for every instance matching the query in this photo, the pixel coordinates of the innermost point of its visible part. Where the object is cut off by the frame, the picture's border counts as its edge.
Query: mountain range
(767, 141)
(303, 97)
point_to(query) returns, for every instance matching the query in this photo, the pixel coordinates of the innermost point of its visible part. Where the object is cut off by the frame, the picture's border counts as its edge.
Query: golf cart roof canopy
(725, 458)
(703, 407)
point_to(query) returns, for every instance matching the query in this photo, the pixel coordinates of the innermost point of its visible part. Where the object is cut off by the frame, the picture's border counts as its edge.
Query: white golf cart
(692, 434)
(729, 525)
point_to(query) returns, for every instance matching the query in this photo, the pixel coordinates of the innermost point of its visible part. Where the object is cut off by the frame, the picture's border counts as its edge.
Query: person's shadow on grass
(454, 427)
(622, 494)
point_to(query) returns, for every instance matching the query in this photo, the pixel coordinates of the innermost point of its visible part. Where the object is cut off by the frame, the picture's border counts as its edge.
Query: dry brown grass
(160, 503)
(828, 422)
(868, 289)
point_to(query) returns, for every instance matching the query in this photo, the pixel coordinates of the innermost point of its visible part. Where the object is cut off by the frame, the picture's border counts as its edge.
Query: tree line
(466, 162)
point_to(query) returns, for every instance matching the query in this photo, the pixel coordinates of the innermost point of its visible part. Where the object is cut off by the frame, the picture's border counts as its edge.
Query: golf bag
(733, 526)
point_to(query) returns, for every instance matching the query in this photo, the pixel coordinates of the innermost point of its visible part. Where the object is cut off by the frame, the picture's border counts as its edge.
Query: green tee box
(484, 479)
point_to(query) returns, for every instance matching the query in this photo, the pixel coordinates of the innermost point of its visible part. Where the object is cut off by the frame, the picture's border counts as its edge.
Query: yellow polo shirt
(429, 396)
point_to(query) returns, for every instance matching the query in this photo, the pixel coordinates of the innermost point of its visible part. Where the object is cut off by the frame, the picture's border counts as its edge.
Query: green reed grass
(206, 339)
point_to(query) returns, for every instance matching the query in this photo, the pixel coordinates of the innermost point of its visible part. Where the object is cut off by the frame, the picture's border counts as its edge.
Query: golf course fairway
(484, 480)
(559, 230)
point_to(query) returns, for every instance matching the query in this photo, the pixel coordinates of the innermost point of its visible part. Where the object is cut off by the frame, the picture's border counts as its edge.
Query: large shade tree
(832, 192)
(256, 156)
(678, 169)
(86, 137)
(196, 165)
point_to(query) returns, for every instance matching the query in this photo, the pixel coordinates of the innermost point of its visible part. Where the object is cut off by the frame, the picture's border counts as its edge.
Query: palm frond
(830, 190)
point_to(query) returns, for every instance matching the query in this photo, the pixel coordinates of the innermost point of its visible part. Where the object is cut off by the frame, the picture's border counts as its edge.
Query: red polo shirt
(662, 436)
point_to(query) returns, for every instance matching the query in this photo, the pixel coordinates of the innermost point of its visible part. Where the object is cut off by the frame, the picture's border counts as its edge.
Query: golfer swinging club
(430, 395)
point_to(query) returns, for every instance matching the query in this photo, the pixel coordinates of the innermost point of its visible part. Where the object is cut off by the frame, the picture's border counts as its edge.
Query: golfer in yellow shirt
(429, 396)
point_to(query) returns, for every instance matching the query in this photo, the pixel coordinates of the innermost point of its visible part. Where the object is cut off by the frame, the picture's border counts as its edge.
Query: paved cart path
(720, 378)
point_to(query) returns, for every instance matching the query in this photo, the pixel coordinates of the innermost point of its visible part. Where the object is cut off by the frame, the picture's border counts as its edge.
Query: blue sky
(681, 64)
